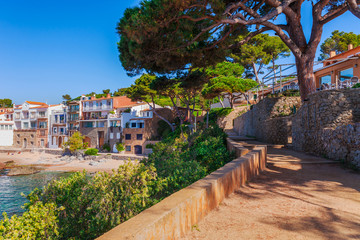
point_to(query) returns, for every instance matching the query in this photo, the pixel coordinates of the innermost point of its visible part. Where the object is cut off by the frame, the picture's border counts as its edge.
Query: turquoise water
(11, 188)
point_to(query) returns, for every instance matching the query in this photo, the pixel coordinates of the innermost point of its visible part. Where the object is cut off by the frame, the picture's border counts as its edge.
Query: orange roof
(123, 101)
(346, 54)
(43, 106)
(36, 103)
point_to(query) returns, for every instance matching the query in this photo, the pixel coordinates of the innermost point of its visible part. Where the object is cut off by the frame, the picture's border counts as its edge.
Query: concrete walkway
(299, 196)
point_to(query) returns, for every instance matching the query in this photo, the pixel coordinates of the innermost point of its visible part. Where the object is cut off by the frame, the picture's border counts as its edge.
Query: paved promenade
(299, 196)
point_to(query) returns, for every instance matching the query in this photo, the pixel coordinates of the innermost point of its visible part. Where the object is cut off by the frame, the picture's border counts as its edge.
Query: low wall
(267, 120)
(176, 214)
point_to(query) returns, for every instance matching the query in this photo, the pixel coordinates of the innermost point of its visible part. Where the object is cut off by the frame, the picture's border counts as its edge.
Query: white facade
(57, 132)
(6, 129)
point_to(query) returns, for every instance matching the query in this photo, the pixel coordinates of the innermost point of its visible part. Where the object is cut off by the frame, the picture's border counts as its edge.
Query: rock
(24, 170)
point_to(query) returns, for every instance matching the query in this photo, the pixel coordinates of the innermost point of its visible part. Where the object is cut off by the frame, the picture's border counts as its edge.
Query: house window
(32, 143)
(32, 135)
(10, 127)
(42, 125)
(42, 143)
(128, 148)
(111, 135)
(101, 124)
(88, 124)
(127, 136)
(117, 135)
(18, 142)
(41, 114)
(133, 125)
(139, 136)
(2, 127)
(54, 130)
(26, 125)
(141, 125)
(42, 133)
(346, 74)
(325, 79)
(18, 135)
(33, 125)
(62, 130)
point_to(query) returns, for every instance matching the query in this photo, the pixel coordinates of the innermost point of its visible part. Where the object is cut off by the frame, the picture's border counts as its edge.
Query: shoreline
(52, 163)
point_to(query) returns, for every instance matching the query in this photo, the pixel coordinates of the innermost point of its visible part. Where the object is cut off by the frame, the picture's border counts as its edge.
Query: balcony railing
(93, 118)
(103, 107)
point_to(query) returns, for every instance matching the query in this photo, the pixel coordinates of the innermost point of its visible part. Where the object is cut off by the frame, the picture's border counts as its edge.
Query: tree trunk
(255, 72)
(221, 102)
(306, 79)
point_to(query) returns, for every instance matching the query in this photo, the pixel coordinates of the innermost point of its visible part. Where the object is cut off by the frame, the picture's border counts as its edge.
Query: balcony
(97, 108)
(94, 118)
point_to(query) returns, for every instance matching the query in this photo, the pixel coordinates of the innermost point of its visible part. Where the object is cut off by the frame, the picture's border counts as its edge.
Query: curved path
(299, 196)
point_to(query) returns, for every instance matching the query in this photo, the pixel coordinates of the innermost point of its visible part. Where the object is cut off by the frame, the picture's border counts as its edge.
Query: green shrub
(84, 207)
(216, 113)
(120, 147)
(106, 147)
(75, 142)
(163, 129)
(356, 85)
(91, 151)
(150, 145)
(127, 110)
(38, 222)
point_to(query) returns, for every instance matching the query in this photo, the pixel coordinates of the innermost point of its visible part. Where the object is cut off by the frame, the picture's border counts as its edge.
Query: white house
(6, 129)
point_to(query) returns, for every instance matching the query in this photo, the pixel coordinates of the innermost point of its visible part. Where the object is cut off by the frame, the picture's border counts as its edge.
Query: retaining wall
(176, 214)
(267, 120)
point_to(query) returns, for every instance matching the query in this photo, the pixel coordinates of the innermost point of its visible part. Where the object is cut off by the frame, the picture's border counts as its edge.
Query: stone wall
(268, 120)
(329, 125)
(25, 137)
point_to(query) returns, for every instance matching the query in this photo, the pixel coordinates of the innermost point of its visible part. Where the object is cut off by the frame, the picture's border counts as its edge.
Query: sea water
(11, 188)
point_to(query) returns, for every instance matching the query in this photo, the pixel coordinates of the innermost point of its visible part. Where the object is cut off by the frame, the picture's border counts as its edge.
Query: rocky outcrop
(24, 170)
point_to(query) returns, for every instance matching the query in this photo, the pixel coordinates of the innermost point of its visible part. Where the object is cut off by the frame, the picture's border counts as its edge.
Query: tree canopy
(258, 52)
(6, 103)
(167, 35)
(226, 79)
(338, 42)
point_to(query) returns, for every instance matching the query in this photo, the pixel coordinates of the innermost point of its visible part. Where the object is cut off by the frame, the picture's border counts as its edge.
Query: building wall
(29, 135)
(115, 136)
(92, 135)
(6, 135)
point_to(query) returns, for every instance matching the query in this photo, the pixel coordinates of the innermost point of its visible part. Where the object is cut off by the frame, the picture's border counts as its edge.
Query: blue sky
(50, 48)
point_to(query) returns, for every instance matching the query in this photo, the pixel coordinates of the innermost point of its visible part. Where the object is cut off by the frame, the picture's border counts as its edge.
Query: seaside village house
(102, 116)
(6, 126)
(73, 114)
(340, 70)
(140, 127)
(57, 127)
(31, 124)
(113, 120)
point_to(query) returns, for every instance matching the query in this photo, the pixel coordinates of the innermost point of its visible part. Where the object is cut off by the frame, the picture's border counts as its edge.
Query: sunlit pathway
(311, 200)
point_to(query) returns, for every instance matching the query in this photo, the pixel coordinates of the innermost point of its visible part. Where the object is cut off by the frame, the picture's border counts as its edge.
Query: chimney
(332, 53)
(350, 46)
(108, 95)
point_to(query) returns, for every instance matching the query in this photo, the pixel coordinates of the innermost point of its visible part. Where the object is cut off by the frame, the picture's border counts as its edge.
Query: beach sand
(50, 162)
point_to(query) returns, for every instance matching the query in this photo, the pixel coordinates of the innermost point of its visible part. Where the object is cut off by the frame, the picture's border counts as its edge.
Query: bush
(106, 147)
(120, 147)
(91, 151)
(216, 113)
(84, 207)
(356, 85)
(163, 129)
(75, 142)
(150, 145)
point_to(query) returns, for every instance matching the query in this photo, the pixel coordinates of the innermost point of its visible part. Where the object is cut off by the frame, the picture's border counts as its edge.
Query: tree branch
(354, 7)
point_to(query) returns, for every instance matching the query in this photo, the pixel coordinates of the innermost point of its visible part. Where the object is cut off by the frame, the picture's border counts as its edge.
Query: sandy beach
(50, 162)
